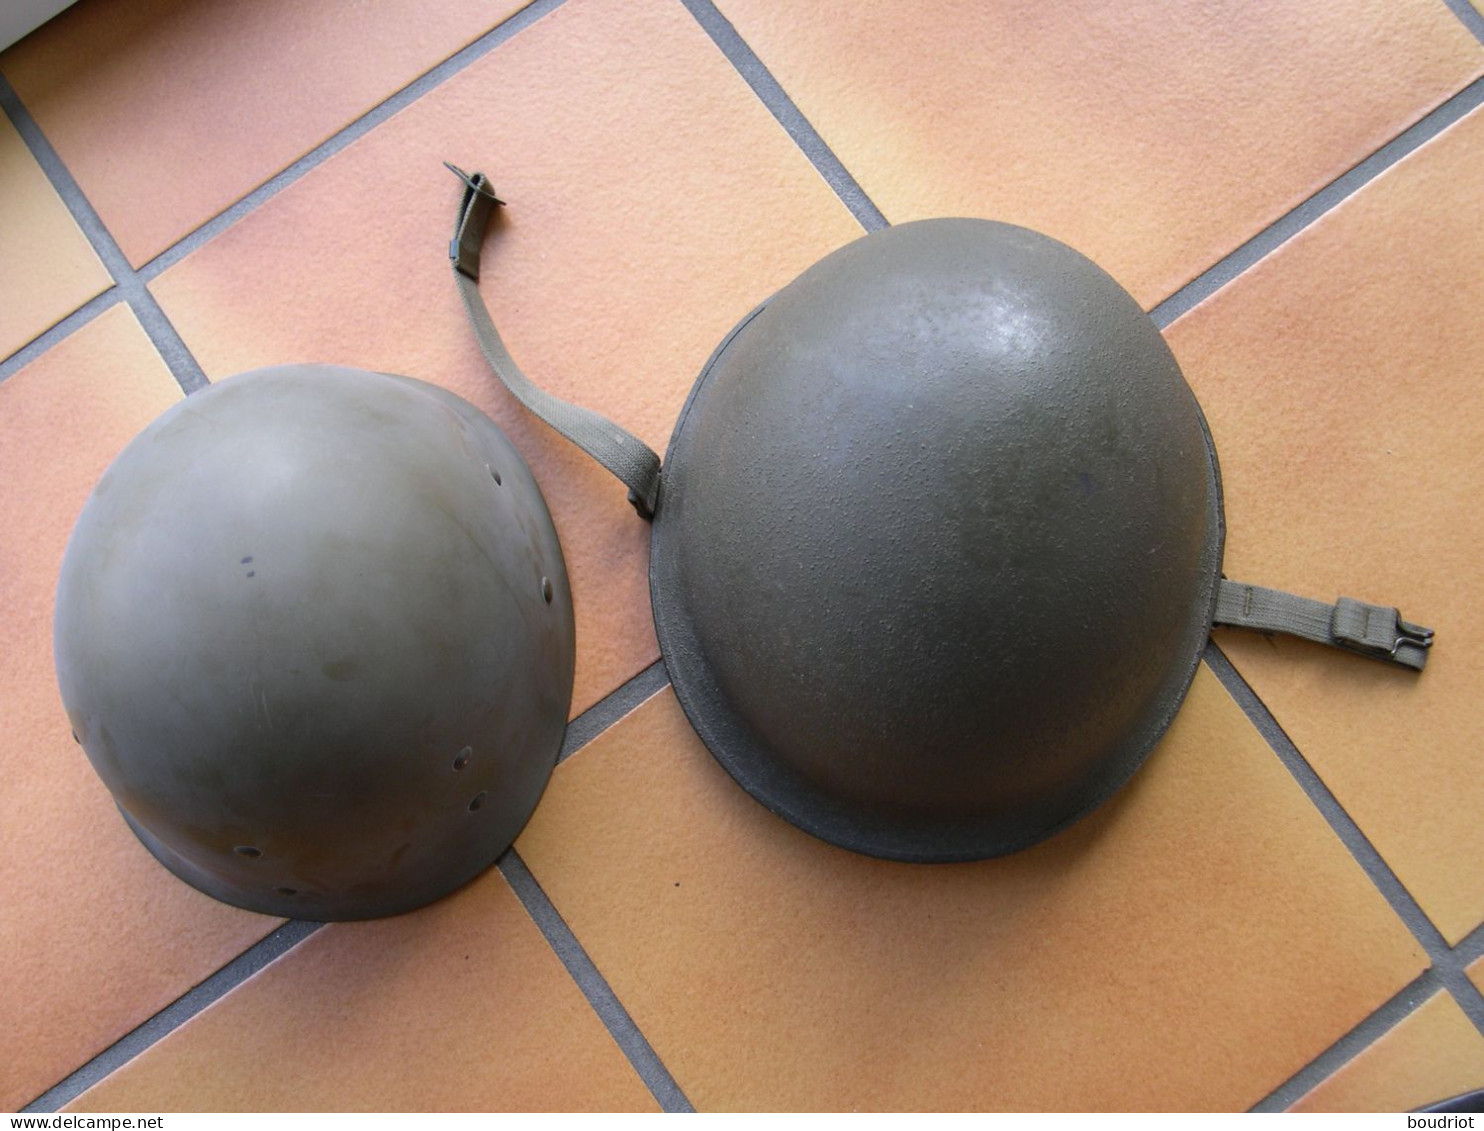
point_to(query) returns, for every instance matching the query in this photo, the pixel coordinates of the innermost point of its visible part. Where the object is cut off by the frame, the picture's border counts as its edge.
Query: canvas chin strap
(1371, 630)
(622, 453)
(1377, 631)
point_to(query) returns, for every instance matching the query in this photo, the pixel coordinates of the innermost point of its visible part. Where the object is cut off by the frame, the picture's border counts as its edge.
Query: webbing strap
(1371, 630)
(628, 457)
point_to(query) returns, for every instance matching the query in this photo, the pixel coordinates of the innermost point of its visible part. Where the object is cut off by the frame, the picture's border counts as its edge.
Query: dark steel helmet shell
(937, 543)
(314, 631)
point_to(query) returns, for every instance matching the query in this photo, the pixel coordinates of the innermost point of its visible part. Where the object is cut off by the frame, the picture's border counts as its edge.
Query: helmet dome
(314, 631)
(937, 542)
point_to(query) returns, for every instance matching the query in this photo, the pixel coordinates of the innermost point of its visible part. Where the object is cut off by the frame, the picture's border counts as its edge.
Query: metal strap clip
(1375, 630)
(479, 198)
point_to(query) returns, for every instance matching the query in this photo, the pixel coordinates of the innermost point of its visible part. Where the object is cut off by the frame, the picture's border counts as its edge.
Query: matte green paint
(937, 543)
(303, 634)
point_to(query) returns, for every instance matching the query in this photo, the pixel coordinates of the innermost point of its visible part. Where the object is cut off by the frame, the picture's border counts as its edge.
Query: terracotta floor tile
(95, 936)
(47, 266)
(1341, 380)
(460, 1006)
(167, 111)
(1432, 1054)
(1476, 973)
(1154, 138)
(1189, 946)
(612, 277)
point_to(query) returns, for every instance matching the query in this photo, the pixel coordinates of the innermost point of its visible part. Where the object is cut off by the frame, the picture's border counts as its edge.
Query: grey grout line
(782, 107)
(177, 1013)
(1447, 969)
(594, 986)
(1448, 962)
(1357, 1040)
(1283, 229)
(351, 133)
(54, 334)
(1343, 824)
(580, 731)
(600, 996)
(130, 286)
(1469, 16)
(1466, 994)
(182, 363)
(1470, 948)
(1469, 997)
(104, 245)
(612, 707)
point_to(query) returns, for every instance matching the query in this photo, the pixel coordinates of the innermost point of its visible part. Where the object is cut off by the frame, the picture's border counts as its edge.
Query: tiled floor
(771, 970)
(1433, 1053)
(1343, 371)
(168, 111)
(461, 1007)
(37, 228)
(95, 936)
(1284, 908)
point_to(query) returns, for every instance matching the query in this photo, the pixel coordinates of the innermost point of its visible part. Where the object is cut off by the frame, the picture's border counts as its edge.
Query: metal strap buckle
(1375, 630)
(1413, 634)
(475, 182)
(479, 199)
